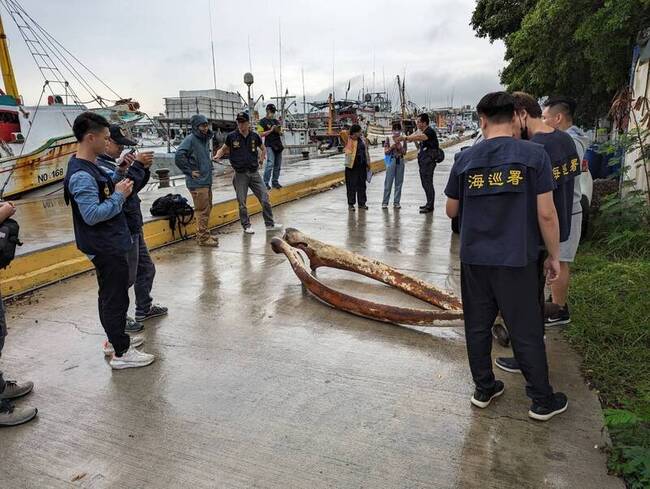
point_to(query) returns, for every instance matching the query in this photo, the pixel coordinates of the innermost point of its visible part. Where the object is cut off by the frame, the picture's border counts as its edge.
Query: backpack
(177, 208)
(440, 156)
(8, 241)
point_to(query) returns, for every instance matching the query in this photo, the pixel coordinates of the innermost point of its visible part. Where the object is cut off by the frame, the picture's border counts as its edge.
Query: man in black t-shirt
(561, 150)
(271, 130)
(501, 189)
(427, 153)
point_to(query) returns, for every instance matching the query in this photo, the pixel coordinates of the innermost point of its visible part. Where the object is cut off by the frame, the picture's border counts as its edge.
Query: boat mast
(11, 88)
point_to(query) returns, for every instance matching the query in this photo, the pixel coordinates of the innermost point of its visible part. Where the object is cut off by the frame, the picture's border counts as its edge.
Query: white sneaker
(249, 230)
(384, 206)
(274, 227)
(131, 359)
(108, 348)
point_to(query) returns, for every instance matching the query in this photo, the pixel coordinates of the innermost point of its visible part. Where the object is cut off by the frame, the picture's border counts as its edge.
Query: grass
(610, 312)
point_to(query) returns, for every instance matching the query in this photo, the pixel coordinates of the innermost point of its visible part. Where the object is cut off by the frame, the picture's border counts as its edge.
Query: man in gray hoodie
(194, 159)
(558, 113)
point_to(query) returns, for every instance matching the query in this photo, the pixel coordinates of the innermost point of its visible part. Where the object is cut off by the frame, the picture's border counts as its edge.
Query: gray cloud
(150, 49)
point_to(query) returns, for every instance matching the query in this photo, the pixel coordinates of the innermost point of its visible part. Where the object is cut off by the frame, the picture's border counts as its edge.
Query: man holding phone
(136, 167)
(271, 130)
(102, 233)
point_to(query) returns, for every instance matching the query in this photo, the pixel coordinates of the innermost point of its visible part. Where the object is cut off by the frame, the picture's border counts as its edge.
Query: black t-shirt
(432, 140)
(243, 150)
(565, 167)
(497, 182)
(360, 157)
(273, 139)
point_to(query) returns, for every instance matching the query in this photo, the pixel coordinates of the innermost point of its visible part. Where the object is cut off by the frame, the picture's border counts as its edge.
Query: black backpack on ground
(179, 211)
(8, 241)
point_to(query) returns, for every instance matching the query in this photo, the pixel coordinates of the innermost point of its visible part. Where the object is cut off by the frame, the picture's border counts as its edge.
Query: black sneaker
(155, 311)
(133, 326)
(508, 364)
(364, 207)
(424, 207)
(558, 405)
(483, 399)
(351, 208)
(562, 316)
(426, 210)
(277, 185)
(268, 187)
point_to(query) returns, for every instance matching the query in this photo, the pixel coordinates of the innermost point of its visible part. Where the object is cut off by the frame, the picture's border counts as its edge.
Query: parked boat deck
(46, 221)
(257, 384)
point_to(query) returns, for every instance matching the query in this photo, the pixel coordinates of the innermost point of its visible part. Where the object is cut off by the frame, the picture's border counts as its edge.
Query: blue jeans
(272, 165)
(394, 173)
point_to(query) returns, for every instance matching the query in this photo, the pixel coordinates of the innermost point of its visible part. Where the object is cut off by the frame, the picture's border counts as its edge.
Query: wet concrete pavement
(46, 221)
(257, 384)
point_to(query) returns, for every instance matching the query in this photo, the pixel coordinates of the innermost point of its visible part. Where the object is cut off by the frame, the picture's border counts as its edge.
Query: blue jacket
(140, 177)
(100, 226)
(193, 154)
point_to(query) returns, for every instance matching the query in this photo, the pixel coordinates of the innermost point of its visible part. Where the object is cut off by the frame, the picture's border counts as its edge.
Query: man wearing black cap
(246, 155)
(271, 129)
(135, 167)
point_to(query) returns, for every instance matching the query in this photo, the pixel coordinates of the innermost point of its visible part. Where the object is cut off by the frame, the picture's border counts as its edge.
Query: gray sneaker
(133, 326)
(14, 390)
(11, 415)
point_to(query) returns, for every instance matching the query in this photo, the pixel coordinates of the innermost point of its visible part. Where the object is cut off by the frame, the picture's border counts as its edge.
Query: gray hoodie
(582, 142)
(193, 154)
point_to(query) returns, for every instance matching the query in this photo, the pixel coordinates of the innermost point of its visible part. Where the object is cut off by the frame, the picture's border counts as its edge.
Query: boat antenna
(280, 49)
(250, 59)
(333, 59)
(214, 69)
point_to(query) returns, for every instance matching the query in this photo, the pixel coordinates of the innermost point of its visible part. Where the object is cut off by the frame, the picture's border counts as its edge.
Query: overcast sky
(150, 49)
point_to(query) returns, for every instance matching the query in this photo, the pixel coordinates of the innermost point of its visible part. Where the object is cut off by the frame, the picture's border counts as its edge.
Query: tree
(579, 48)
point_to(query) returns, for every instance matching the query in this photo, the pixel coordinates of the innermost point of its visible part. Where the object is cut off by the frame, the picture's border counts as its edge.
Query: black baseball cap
(119, 136)
(242, 117)
(271, 107)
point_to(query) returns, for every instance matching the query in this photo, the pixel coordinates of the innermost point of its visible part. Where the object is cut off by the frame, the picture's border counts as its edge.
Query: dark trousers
(514, 291)
(355, 183)
(242, 182)
(141, 274)
(3, 333)
(113, 301)
(426, 178)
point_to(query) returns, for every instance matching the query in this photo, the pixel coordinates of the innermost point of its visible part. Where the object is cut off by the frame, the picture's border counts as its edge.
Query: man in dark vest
(247, 153)
(102, 233)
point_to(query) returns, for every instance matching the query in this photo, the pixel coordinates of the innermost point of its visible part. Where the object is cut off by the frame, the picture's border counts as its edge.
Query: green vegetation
(578, 48)
(610, 300)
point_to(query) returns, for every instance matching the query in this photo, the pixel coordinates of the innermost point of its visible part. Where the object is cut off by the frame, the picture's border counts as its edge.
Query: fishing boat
(36, 142)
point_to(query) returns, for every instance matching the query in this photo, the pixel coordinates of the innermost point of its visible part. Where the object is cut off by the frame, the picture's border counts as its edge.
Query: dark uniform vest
(111, 237)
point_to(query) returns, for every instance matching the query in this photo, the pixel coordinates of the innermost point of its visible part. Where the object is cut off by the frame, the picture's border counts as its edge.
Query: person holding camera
(135, 167)
(271, 130)
(102, 233)
(11, 415)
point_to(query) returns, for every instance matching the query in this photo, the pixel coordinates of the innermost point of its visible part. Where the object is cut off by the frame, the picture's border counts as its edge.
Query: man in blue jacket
(102, 233)
(135, 167)
(194, 159)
